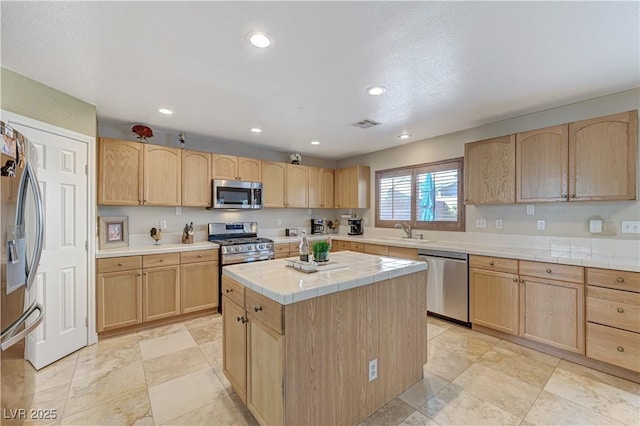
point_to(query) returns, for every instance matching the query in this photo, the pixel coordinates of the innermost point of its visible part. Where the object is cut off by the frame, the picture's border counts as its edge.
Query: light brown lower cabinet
(160, 292)
(234, 357)
(536, 306)
(613, 317)
(119, 299)
(136, 289)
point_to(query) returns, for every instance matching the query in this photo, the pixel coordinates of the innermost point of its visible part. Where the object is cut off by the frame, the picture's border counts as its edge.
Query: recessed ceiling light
(260, 40)
(404, 136)
(315, 143)
(256, 130)
(376, 90)
(165, 111)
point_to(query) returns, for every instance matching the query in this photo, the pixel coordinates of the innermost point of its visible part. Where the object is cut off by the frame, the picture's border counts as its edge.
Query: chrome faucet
(405, 227)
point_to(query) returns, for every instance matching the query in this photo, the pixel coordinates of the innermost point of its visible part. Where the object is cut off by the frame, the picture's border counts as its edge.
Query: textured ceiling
(447, 66)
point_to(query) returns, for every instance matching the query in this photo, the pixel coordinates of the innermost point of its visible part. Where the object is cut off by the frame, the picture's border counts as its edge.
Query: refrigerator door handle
(9, 336)
(29, 177)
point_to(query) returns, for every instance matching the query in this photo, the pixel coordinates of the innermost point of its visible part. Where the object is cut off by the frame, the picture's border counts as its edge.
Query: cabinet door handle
(564, 196)
(119, 263)
(257, 308)
(620, 349)
(548, 270)
(515, 280)
(199, 255)
(620, 280)
(620, 310)
(573, 195)
(229, 290)
(521, 280)
(242, 319)
(491, 263)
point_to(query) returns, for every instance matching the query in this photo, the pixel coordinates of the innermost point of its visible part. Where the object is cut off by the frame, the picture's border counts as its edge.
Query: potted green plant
(321, 251)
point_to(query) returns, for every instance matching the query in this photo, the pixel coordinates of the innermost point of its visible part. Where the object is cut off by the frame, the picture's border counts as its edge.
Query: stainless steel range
(239, 243)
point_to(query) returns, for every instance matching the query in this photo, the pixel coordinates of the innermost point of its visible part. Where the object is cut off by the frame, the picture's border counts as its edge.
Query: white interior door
(62, 278)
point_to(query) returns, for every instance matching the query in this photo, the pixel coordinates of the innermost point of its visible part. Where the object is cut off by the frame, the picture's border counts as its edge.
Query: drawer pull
(620, 349)
(491, 263)
(241, 319)
(119, 263)
(515, 280)
(548, 270)
(229, 290)
(521, 280)
(620, 280)
(161, 260)
(199, 255)
(257, 308)
(620, 310)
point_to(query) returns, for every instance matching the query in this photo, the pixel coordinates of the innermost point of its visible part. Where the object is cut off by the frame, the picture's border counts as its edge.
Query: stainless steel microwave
(234, 194)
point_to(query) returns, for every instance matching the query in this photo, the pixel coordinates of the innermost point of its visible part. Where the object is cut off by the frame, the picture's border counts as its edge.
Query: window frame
(413, 170)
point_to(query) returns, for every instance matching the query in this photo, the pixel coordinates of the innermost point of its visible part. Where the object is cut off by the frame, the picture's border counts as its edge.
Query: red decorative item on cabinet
(143, 132)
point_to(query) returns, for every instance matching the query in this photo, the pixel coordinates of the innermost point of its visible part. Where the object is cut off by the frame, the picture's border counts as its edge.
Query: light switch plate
(595, 226)
(531, 210)
(481, 223)
(542, 225)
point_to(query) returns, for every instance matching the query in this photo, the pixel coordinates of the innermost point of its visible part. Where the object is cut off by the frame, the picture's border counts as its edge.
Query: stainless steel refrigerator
(22, 229)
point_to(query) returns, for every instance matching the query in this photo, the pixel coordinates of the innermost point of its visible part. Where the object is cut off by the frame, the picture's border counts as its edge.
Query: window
(428, 196)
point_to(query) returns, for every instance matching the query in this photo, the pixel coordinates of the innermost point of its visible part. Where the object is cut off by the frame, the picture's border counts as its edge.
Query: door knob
(620, 310)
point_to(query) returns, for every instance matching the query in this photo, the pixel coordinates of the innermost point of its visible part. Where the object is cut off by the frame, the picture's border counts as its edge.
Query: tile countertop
(566, 257)
(285, 285)
(155, 249)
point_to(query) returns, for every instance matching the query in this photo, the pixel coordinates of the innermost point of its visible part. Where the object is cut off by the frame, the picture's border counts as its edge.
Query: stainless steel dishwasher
(447, 284)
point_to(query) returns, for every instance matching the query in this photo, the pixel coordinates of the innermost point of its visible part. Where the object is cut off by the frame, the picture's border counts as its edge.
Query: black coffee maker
(317, 226)
(355, 227)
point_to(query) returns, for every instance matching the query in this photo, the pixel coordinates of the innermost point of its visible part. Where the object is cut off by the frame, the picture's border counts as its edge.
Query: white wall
(562, 219)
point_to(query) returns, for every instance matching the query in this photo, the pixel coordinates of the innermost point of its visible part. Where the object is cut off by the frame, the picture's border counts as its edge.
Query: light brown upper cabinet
(320, 187)
(236, 168)
(602, 157)
(297, 186)
(489, 171)
(542, 162)
(273, 184)
(196, 178)
(120, 172)
(352, 187)
(162, 176)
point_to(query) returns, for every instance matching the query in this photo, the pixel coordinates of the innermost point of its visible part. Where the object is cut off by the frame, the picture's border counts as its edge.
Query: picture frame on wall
(113, 232)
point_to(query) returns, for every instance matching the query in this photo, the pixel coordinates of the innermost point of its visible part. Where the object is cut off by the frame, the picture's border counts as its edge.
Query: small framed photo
(114, 232)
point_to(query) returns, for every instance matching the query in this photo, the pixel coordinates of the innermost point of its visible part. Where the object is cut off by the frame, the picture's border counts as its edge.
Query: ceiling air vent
(366, 123)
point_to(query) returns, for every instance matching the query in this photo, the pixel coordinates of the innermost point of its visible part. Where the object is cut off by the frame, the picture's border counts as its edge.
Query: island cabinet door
(265, 375)
(234, 346)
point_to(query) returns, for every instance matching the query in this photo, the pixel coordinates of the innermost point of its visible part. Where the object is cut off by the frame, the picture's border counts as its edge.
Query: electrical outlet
(178, 211)
(595, 226)
(279, 221)
(373, 369)
(498, 223)
(481, 223)
(365, 220)
(531, 210)
(542, 225)
(631, 226)
(163, 224)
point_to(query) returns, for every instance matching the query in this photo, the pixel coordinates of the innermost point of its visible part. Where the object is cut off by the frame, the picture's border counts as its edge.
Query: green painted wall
(29, 98)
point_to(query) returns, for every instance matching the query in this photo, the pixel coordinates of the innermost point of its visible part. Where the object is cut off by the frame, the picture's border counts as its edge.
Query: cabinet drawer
(498, 264)
(403, 252)
(621, 280)
(265, 310)
(553, 271)
(115, 264)
(282, 248)
(357, 246)
(616, 308)
(233, 290)
(617, 347)
(295, 247)
(376, 249)
(199, 256)
(154, 260)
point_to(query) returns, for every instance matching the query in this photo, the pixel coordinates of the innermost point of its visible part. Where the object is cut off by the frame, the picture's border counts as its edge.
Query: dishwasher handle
(443, 254)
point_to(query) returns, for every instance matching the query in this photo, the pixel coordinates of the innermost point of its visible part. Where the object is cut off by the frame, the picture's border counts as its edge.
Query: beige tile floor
(173, 375)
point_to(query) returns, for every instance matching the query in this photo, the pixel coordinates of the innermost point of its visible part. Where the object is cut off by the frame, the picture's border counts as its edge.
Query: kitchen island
(330, 347)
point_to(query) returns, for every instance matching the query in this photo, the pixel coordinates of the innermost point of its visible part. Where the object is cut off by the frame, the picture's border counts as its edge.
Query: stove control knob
(260, 246)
